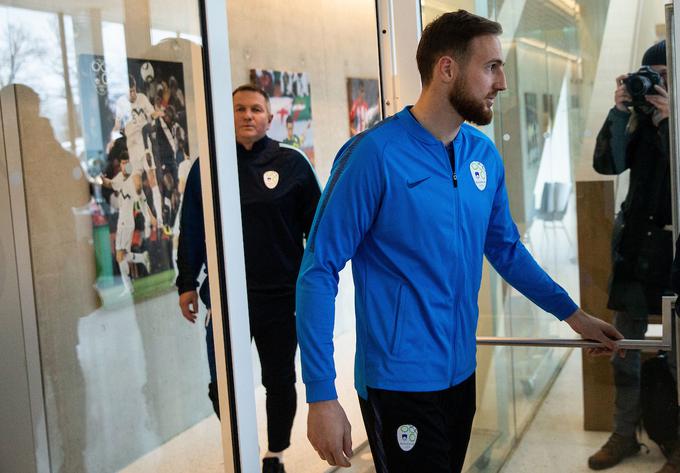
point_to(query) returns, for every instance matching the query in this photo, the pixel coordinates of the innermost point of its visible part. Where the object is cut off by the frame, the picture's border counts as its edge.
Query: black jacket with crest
(279, 192)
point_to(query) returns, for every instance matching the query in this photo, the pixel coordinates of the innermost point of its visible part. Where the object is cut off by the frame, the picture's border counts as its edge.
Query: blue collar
(418, 131)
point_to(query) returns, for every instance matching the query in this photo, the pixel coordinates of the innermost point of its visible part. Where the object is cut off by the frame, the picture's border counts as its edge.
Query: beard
(471, 109)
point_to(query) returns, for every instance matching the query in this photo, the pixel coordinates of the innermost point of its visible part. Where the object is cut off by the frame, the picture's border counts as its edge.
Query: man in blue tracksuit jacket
(415, 203)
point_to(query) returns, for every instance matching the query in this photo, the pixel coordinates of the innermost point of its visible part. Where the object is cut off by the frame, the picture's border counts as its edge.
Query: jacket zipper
(452, 160)
(454, 332)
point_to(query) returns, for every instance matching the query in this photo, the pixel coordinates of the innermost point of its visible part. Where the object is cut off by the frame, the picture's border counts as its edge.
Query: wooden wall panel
(595, 214)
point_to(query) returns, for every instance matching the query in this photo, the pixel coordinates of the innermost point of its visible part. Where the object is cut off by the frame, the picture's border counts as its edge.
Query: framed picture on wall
(362, 104)
(548, 114)
(533, 135)
(136, 154)
(290, 97)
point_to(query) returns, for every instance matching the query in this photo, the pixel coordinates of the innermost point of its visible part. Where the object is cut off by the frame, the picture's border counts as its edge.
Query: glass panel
(109, 122)
(540, 61)
(562, 58)
(322, 77)
(494, 430)
(561, 87)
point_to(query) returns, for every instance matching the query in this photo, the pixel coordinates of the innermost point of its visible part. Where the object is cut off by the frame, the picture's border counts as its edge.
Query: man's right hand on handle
(188, 302)
(329, 432)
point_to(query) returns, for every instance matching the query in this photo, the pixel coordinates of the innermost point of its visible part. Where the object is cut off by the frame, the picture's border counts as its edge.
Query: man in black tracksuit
(642, 244)
(279, 193)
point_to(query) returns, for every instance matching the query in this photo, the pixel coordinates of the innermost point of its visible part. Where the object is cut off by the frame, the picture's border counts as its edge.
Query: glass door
(562, 62)
(113, 104)
(105, 108)
(322, 77)
(562, 59)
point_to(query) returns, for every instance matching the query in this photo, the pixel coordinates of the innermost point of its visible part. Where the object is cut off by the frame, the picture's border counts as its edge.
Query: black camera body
(641, 83)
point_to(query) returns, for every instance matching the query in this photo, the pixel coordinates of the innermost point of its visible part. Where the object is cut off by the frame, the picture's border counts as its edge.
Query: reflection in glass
(107, 123)
(559, 91)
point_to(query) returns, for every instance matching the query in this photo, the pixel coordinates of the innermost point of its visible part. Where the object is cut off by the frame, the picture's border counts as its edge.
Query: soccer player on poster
(133, 114)
(291, 138)
(358, 114)
(128, 186)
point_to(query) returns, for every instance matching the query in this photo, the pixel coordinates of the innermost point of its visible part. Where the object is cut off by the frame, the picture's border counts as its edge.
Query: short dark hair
(132, 83)
(251, 88)
(451, 33)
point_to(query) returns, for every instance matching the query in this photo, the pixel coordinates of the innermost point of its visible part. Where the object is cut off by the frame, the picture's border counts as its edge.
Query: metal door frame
(19, 215)
(224, 245)
(672, 27)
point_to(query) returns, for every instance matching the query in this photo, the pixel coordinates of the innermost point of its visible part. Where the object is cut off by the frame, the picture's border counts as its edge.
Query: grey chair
(554, 204)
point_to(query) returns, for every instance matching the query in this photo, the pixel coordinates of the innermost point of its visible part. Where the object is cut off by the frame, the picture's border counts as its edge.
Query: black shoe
(272, 465)
(214, 398)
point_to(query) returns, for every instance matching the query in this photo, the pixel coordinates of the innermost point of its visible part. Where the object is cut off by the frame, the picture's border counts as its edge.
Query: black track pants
(419, 431)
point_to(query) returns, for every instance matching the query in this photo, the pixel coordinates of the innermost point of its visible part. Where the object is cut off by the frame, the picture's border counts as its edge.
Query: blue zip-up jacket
(416, 231)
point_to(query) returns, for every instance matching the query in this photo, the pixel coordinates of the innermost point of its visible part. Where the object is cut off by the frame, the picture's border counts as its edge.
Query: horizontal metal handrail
(573, 343)
(663, 343)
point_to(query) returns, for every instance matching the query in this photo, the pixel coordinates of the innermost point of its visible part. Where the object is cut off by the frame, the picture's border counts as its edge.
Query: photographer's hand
(660, 103)
(621, 95)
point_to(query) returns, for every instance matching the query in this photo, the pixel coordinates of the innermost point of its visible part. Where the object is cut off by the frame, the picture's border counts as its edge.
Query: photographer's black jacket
(641, 244)
(276, 216)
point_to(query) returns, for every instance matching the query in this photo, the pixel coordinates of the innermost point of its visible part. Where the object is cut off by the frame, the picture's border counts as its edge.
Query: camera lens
(639, 85)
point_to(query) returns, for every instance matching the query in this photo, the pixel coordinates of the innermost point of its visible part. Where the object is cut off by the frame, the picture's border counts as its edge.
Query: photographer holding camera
(635, 136)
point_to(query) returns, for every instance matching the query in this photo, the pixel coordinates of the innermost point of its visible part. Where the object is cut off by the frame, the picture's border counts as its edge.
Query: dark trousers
(419, 431)
(276, 341)
(627, 408)
(627, 374)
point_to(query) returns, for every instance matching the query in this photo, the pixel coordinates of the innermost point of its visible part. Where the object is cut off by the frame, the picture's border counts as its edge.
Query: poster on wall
(534, 134)
(548, 114)
(290, 97)
(137, 156)
(362, 104)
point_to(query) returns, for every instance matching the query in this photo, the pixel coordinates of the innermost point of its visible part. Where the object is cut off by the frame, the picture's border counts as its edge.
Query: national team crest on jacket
(271, 179)
(478, 172)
